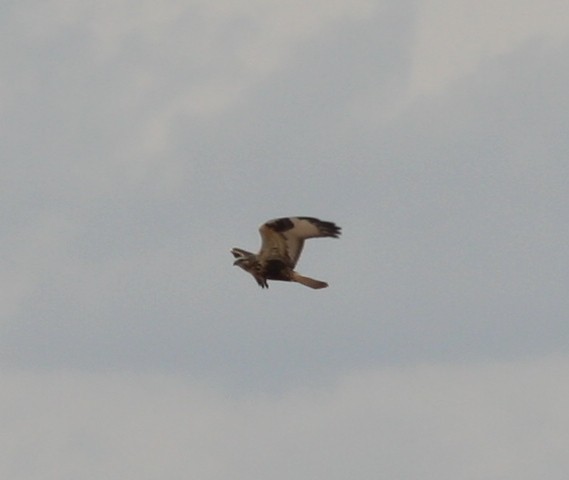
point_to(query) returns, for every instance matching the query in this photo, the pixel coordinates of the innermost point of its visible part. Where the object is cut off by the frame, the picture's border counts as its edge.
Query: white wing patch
(285, 236)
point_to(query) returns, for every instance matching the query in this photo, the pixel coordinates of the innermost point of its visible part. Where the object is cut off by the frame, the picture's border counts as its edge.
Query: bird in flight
(282, 242)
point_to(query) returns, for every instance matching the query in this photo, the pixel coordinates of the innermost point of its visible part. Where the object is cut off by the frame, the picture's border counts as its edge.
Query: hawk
(282, 242)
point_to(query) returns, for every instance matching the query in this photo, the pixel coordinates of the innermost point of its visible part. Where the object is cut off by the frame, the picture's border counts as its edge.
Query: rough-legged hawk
(282, 242)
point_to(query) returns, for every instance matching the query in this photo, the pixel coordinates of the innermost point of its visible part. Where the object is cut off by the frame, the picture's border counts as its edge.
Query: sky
(141, 141)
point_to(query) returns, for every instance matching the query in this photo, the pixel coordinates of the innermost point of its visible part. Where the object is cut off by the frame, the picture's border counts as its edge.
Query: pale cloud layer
(506, 421)
(141, 141)
(454, 37)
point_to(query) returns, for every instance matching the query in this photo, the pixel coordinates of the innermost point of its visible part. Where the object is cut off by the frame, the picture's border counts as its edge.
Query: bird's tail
(309, 282)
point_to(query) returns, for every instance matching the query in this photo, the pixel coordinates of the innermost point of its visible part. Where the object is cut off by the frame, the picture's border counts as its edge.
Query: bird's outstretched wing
(284, 237)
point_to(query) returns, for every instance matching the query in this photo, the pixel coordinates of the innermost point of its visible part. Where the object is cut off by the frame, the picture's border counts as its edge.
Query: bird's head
(243, 258)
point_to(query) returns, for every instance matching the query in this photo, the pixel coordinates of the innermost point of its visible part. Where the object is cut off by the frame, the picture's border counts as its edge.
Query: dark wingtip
(329, 229)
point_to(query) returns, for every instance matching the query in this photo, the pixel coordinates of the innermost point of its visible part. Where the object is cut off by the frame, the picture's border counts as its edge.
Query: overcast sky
(142, 140)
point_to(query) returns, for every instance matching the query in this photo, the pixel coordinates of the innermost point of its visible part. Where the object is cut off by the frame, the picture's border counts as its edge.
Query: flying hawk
(282, 242)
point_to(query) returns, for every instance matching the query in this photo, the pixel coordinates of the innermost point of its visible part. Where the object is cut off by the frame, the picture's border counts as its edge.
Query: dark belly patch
(276, 270)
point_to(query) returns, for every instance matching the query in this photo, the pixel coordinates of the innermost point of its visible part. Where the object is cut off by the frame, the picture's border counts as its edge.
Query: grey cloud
(452, 208)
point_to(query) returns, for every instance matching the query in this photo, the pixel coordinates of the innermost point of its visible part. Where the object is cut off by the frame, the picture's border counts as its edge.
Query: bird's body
(282, 242)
